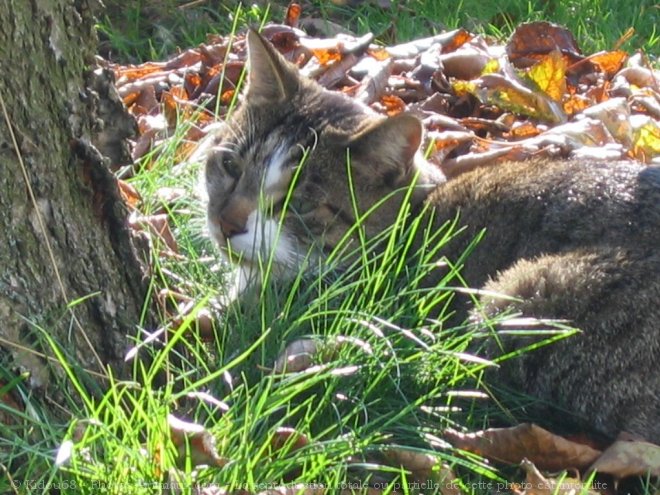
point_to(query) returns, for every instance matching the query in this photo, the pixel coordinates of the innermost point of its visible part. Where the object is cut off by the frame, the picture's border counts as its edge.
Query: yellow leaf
(550, 75)
(646, 144)
(491, 67)
(462, 88)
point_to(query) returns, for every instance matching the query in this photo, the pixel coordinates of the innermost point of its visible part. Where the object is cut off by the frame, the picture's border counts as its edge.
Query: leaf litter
(481, 103)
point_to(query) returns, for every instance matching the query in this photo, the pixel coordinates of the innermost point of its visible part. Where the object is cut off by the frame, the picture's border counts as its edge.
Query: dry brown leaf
(168, 196)
(168, 299)
(133, 72)
(523, 130)
(630, 32)
(448, 41)
(512, 445)
(194, 441)
(292, 17)
(10, 403)
(466, 63)
(537, 484)
(227, 97)
(454, 167)
(129, 194)
(532, 40)
(326, 56)
(287, 440)
(609, 62)
(379, 53)
(301, 354)
(424, 467)
(615, 116)
(157, 225)
(575, 104)
(337, 71)
(203, 324)
(638, 76)
(629, 458)
(393, 104)
(297, 356)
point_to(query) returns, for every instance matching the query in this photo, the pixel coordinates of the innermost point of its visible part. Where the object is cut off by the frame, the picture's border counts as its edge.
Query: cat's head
(289, 129)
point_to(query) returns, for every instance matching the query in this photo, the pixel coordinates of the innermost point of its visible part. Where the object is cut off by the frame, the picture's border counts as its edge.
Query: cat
(575, 241)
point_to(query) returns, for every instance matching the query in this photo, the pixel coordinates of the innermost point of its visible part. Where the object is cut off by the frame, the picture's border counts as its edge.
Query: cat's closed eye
(300, 206)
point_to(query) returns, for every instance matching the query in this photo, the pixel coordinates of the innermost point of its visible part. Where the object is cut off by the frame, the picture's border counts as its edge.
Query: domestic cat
(576, 241)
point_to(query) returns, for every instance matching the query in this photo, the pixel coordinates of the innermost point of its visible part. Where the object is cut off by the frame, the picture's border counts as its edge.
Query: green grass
(150, 30)
(391, 387)
(400, 378)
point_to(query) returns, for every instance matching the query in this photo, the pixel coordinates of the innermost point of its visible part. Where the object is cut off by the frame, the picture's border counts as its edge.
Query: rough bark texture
(64, 234)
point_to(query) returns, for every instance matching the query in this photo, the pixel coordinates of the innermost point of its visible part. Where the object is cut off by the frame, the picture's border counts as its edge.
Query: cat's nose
(230, 228)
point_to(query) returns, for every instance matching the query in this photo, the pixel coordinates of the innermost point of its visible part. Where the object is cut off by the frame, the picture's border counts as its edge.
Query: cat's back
(547, 205)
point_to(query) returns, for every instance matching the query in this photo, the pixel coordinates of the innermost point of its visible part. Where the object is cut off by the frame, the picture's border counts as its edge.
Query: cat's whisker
(225, 148)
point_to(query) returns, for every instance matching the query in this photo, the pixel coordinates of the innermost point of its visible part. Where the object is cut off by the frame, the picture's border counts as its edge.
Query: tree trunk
(67, 261)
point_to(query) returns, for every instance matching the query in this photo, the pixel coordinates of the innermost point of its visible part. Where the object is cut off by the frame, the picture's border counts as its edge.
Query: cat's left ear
(270, 76)
(390, 144)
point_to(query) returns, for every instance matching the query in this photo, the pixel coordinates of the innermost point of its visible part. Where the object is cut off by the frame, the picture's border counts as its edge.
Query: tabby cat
(576, 241)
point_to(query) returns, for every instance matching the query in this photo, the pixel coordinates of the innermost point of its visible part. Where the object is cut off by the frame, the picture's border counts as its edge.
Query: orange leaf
(226, 97)
(379, 54)
(393, 104)
(524, 130)
(293, 15)
(460, 38)
(133, 72)
(326, 56)
(129, 194)
(609, 62)
(575, 104)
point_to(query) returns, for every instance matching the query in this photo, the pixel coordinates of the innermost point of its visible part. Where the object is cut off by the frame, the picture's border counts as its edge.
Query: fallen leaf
(158, 226)
(297, 356)
(629, 458)
(195, 442)
(549, 74)
(292, 16)
(537, 484)
(525, 441)
(301, 354)
(64, 453)
(532, 40)
(326, 56)
(609, 62)
(287, 440)
(129, 194)
(423, 467)
(393, 104)
(646, 138)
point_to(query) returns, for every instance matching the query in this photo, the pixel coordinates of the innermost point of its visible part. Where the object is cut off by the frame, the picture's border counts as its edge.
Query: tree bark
(67, 262)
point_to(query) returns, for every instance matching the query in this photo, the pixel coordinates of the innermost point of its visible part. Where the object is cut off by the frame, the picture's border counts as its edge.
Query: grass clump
(391, 382)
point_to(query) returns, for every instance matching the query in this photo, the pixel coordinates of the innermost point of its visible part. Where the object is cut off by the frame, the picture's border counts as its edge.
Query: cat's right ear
(389, 144)
(270, 76)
